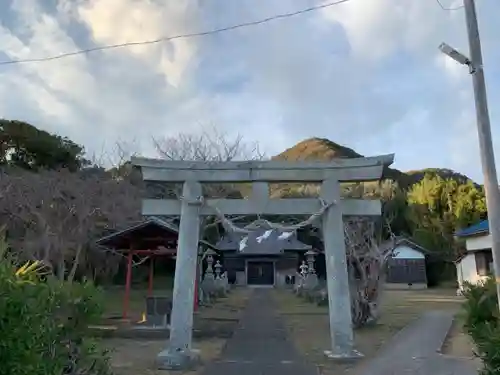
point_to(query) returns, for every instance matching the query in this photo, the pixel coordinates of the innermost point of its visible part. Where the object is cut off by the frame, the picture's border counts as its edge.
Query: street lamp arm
(455, 54)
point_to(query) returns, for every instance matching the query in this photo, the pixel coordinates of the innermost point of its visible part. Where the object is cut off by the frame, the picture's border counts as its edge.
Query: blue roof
(480, 228)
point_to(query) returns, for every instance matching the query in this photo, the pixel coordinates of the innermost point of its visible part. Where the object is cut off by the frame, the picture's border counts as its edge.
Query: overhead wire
(448, 8)
(191, 35)
(174, 37)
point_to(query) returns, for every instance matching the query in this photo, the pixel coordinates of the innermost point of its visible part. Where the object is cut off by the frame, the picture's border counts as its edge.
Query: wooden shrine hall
(152, 237)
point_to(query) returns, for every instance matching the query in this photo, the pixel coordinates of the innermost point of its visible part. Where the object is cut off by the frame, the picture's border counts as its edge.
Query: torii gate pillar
(179, 353)
(339, 299)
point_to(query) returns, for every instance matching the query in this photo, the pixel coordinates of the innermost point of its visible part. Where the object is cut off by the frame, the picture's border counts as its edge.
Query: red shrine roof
(150, 234)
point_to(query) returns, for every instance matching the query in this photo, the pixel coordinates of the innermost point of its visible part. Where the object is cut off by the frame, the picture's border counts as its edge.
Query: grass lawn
(458, 343)
(137, 357)
(308, 323)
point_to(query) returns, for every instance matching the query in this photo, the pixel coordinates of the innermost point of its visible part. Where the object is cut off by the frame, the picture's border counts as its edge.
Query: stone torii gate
(179, 353)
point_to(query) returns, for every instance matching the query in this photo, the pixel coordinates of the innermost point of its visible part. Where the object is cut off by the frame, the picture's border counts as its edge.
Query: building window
(484, 262)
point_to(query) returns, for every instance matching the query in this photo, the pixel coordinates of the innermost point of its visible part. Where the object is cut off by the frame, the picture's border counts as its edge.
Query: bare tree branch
(211, 145)
(54, 216)
(367, 264)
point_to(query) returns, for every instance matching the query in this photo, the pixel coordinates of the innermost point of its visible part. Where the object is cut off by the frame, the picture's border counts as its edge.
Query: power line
(180, 36)
(447, 8)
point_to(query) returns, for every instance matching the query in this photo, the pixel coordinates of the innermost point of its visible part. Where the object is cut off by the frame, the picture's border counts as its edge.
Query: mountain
(321, 149)
(318, 149)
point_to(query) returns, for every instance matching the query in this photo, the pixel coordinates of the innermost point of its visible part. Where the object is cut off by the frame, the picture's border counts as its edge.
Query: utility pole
(484, 134)
(475, 64)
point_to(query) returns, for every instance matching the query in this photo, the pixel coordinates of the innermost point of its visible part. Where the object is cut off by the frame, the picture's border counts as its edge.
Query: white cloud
(362, 73)
(455, 71)
(373, 28)
(122, 21)
(464, 144)
(378, 29)
(47, 38)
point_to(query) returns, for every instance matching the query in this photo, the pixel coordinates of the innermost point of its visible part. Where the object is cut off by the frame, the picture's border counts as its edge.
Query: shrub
(481, 322)
(44, 322)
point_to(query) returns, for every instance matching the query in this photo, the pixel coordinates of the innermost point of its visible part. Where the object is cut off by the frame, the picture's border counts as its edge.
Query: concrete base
(346, 357)
(179, 360)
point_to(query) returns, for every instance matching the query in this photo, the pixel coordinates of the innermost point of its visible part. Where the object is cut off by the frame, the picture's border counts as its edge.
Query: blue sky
(366, 74)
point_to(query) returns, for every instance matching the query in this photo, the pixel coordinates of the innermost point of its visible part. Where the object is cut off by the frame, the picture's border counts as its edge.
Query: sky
(366, 74)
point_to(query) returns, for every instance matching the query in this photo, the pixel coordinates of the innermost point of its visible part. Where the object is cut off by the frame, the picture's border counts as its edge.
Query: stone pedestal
(178, 360)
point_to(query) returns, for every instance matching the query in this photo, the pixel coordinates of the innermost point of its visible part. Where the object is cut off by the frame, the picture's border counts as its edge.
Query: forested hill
(322, 149)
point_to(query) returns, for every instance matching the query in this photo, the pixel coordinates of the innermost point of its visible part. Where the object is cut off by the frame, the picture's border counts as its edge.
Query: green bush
(481, 322)
(44, 323)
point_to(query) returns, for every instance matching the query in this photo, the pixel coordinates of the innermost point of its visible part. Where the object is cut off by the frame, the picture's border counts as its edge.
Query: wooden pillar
(151, 276)
(179, 354)
(339, 300)
(128, 283)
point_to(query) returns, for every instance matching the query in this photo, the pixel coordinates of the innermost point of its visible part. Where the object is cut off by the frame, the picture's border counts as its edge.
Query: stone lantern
(312, 278)
(218, 270)
(303, 269)
(208, 284)
(310, 257)
(210, 261)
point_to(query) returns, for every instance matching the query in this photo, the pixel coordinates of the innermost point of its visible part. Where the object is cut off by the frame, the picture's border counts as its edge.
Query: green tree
(25, 146)
(437, 207)
(394, 206)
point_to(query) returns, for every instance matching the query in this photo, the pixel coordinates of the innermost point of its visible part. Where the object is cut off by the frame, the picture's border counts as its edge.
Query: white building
(477, 263)
(406, 269)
